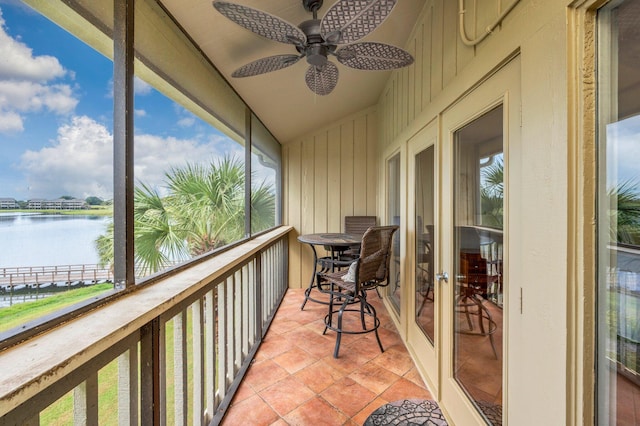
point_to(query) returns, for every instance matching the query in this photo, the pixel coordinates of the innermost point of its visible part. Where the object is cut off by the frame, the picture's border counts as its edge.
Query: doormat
(407, 412)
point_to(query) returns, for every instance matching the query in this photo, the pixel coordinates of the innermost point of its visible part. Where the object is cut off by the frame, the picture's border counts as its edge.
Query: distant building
(58, 204)
(8, 203)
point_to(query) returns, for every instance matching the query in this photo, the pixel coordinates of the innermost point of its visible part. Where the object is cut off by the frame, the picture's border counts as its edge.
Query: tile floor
(295, 380)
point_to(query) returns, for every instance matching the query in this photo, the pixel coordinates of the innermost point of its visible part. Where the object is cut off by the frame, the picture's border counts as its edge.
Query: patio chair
(356, 225)
(349, 287)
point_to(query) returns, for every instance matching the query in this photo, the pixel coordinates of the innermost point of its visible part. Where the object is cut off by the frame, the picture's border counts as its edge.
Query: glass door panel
(425, 306)
(393, 215)
(618, 358)
(478, 281)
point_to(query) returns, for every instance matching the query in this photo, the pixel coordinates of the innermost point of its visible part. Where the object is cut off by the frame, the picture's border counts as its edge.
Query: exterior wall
(537, 370)
(445, 70)
(328, 175)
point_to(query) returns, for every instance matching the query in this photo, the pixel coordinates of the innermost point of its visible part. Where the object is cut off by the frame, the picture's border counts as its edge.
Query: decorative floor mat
(492, 412)
(407, 412)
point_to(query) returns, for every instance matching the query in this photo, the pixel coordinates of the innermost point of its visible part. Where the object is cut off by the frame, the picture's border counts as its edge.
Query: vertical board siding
(334, 172)
(329, 175)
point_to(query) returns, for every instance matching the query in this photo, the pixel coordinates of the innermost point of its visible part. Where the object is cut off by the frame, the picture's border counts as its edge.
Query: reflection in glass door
(478, 261)
(425, 305)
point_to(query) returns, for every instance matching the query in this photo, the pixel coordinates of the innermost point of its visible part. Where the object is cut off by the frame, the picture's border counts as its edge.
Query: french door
(458, 240)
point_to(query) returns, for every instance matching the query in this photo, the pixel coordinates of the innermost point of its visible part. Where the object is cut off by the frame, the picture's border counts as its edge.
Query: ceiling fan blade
(265, 65)
(322, 80)
(261, 23)
(373, 56)
(350, 20)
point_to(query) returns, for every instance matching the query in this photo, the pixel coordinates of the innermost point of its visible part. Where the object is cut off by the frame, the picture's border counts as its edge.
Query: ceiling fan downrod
(312, 6)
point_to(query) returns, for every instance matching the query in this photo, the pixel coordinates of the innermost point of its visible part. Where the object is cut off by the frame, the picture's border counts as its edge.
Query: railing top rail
(48, 357)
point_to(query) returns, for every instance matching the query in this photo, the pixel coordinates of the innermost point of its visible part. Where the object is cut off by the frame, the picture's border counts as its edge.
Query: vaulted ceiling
(281, 99)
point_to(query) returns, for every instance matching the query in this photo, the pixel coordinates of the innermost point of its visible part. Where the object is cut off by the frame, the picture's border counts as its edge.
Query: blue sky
(56, 113)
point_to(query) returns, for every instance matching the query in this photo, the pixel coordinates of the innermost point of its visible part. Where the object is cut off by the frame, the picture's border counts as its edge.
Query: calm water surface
(42, 240)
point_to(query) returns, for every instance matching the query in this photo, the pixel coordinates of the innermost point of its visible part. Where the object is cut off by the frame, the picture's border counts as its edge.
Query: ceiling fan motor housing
(315, 50)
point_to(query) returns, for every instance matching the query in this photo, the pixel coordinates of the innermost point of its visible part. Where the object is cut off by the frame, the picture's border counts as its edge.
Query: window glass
(56, 167)
(190, 184)
(425, 300)
(618, 360)
(393, 214)
(265, 177)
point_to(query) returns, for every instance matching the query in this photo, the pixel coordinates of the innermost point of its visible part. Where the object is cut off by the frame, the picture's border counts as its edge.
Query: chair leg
(330, 319)
(375, 321)
(339, 328)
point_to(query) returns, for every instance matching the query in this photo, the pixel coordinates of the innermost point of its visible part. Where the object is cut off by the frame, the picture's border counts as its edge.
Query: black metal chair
(370, 270)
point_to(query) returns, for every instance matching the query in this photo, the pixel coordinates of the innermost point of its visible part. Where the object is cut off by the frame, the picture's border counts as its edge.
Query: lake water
(43, 240)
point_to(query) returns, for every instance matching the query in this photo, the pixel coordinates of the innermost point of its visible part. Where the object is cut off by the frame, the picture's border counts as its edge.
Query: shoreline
(101, 211)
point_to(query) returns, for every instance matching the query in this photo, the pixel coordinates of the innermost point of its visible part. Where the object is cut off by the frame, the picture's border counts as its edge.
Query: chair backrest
(358, 224)
(375, 254)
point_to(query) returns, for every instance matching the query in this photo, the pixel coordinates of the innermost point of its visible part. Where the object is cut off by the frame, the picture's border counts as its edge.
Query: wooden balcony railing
(172, 352)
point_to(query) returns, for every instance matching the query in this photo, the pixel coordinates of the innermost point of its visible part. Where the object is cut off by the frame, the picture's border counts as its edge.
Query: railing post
(197, 320)
(180, 403)
(85, 401)
(128, 386)
(258, 302)
(150, 373)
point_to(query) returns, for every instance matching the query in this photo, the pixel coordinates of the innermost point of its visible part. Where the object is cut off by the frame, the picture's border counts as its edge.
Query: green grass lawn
(23, 312)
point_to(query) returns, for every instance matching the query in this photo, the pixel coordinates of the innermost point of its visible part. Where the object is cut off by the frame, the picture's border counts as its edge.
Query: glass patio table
(332, 242)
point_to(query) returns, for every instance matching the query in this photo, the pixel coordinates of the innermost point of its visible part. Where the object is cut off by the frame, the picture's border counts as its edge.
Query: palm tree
(204, 209)
(624, 216)
(492, 194)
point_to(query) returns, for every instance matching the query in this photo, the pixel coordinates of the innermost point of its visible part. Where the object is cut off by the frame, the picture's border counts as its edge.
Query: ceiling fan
(345, 22)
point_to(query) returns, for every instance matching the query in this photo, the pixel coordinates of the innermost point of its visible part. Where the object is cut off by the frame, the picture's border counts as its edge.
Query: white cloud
(27, 96)
(80, 161)
(186, 122)
(141, 87)
(18, 62)
(25, 83)
(10, 122)
(140, 113)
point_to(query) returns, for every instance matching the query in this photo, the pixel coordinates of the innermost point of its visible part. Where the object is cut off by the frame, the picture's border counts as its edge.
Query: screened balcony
(225, 337)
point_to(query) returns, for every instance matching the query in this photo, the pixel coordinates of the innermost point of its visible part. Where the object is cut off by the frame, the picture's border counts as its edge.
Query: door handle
(443, 276)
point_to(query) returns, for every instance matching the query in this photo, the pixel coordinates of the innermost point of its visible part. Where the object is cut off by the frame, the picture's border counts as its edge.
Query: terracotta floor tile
(272, 346)
(316, 412)
(414, 376)
(296, 381)
(396, 359)
(244, 391)
(264, 373)
(251, 411)
(348, 396)
(319, 376)
(404, 389)
(295, 360)
(286, 395)
(374, 377)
